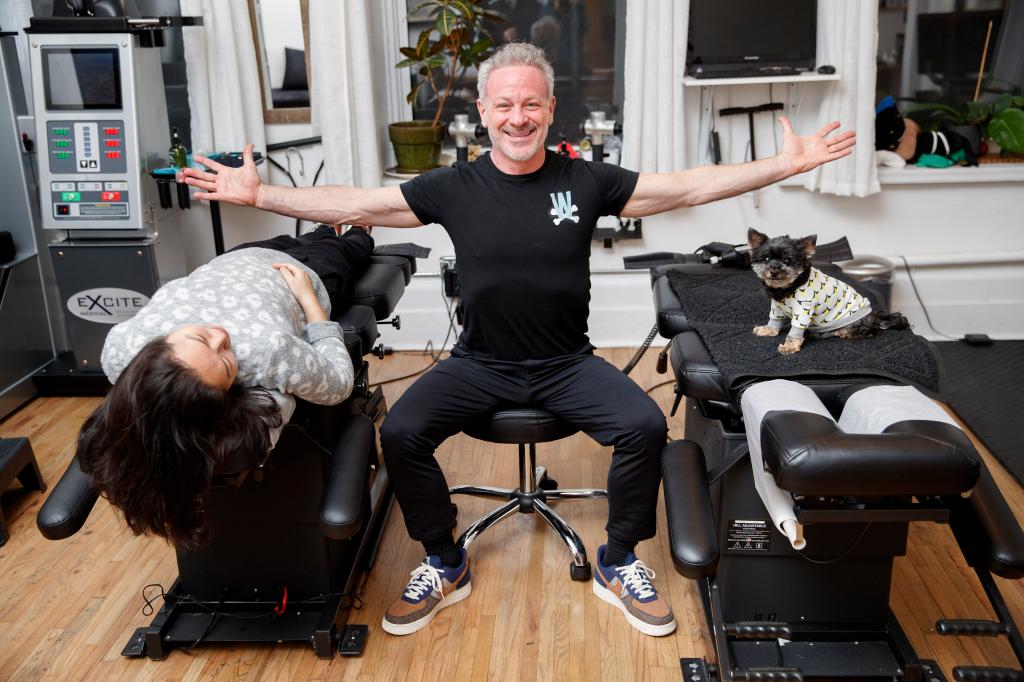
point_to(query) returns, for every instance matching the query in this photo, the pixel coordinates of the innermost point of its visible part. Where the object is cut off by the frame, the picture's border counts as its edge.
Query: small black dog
(810, 299)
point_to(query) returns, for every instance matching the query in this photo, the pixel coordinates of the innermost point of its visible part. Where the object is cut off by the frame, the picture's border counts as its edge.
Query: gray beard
(514, 154)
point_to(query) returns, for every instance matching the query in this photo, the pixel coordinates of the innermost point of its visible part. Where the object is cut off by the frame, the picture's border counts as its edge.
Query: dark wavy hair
(151, 448)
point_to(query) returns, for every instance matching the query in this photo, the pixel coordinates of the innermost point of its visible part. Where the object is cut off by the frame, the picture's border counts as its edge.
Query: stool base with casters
(525, 427)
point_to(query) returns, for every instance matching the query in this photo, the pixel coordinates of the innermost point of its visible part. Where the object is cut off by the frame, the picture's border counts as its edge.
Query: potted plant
(1001, 121)
(455, 41)
(1006, 126)
(968, 119)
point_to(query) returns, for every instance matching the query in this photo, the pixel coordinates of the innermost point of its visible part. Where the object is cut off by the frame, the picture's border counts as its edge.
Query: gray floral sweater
(275, 346)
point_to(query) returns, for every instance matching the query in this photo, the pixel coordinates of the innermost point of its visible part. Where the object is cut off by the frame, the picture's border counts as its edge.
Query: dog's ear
(755, 238)
(807, 245)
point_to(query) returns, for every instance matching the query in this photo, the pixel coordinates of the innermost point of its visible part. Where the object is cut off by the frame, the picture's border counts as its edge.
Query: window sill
(912, 175)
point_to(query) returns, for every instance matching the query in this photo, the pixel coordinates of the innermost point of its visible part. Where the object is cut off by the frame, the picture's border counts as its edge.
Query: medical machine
(101, 127)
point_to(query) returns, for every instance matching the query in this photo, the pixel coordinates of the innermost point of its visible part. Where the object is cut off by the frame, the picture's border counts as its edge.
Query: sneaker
(432, 587)
(629, 589)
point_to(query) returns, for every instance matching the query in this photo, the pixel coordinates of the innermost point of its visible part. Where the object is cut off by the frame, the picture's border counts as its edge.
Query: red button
(110, 196)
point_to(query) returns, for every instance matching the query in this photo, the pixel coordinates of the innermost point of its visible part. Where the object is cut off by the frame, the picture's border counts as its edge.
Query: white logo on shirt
(563, 208)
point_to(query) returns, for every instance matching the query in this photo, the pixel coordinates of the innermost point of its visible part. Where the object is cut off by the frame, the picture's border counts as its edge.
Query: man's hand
(810, 151)
(233, 185)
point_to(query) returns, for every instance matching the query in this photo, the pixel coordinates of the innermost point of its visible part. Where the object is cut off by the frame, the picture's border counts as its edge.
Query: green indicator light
(62, 155)
(70, 196)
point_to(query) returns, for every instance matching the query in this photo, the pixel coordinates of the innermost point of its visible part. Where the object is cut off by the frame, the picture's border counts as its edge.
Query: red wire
(279, 609)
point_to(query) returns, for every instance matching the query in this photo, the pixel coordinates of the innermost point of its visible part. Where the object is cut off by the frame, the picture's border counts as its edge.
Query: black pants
(582, 389)
(338, 261)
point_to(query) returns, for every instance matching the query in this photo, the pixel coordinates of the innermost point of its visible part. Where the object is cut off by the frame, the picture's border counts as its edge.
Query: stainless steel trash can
(872, 269)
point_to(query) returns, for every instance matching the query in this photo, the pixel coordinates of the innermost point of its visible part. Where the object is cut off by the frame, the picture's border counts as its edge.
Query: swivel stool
(526, 426)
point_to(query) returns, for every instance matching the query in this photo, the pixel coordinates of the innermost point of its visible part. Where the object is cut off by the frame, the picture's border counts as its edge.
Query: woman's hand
(301, 286)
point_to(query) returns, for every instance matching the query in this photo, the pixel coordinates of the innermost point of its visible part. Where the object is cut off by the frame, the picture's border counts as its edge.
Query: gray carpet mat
(723, 306)
(985, 386)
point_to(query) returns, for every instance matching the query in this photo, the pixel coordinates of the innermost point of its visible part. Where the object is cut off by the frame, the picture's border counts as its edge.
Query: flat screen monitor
(739, 34)
(951, 43)
(80, 78)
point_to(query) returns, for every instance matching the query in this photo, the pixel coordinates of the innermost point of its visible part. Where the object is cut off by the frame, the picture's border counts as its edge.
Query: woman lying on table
(206, 369)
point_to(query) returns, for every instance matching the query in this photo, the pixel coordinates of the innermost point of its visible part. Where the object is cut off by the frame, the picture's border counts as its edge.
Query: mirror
(280, 30)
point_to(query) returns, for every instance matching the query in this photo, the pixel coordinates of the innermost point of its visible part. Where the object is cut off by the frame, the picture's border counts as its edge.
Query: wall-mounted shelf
(808, 77)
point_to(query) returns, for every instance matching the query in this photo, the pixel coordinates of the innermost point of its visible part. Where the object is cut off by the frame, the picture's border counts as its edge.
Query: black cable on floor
(434, 357)
(906, 266)
(659, 385)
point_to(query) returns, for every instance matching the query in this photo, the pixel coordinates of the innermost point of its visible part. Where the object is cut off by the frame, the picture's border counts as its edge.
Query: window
(931, 50)
(585, 42)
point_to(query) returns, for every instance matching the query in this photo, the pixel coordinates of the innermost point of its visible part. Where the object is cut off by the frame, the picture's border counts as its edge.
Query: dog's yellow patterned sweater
(822, 304)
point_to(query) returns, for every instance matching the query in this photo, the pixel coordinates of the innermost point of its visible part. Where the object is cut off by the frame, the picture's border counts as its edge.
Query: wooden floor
(67, 608)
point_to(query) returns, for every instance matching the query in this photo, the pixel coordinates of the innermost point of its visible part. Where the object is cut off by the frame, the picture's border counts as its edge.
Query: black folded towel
(407, 249)
(724, 306)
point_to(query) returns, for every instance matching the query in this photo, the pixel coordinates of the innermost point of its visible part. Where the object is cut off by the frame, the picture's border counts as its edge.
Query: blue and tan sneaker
(629, 589)
(432, 587)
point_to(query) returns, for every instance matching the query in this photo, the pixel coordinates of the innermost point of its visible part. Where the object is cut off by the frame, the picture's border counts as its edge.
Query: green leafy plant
(933, 114)
(1001, 120)
(454, 42)
(1006, 126)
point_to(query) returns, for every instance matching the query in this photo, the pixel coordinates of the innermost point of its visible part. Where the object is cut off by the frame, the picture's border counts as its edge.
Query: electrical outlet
(449, 276)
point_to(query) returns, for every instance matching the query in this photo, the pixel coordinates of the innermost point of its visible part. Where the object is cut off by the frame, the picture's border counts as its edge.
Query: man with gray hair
(521, 219)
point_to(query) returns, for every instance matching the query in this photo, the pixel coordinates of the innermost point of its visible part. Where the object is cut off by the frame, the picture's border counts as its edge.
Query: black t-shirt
(522, 248)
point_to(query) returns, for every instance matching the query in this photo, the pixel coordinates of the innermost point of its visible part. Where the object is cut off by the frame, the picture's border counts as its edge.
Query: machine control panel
(75, 148)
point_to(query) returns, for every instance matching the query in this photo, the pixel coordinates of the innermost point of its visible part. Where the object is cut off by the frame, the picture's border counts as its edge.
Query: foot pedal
(136, 646)
(756, 629)
(970, 628)
(695, 670)
(353, 640)
(986, 674)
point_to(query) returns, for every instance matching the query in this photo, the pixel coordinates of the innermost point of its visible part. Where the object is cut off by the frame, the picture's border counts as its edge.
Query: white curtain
(223, 77)
(653, 125)
(389, 18)
(848, 39)
(345, 90)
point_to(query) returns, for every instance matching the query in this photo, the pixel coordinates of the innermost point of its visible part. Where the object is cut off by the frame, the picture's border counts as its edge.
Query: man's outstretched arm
(331, 204)
(659, 192)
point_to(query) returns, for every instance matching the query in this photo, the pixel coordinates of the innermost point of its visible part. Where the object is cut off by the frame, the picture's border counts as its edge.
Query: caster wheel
(548, 483)
(580, 573)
